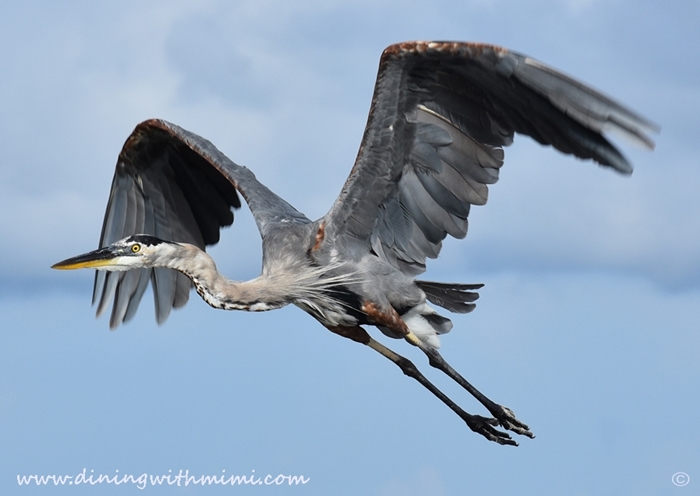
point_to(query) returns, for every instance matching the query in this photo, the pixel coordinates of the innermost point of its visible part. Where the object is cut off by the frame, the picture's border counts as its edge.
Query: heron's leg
(391, 319)
(476, 423)
(505, 416)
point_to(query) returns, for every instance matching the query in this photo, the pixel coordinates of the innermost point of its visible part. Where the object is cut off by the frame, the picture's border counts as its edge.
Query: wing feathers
(442, 193)
(412, 195)
(589, 106)
(175, 185)
(441, 113)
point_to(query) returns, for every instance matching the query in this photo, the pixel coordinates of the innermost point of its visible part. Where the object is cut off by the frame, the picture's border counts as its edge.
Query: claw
(506, 418)
(482, 425)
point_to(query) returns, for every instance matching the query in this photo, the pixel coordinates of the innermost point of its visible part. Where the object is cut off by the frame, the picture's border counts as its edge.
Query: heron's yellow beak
(104, 257)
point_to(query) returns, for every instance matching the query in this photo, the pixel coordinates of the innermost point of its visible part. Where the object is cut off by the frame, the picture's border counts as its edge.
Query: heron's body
(441, 114)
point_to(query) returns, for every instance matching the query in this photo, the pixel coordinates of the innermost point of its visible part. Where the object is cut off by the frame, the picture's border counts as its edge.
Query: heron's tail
(457, 298)
(425, 322)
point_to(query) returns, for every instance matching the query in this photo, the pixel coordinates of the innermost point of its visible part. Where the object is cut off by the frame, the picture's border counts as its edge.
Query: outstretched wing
(441, 113)
(177, 186)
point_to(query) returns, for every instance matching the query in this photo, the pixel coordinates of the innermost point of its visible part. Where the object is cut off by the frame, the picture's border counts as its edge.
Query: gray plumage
(440, 116)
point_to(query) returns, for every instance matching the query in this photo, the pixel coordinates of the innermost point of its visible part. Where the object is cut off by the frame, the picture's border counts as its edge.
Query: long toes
(489, 420)
(484, 426)
(506, 418)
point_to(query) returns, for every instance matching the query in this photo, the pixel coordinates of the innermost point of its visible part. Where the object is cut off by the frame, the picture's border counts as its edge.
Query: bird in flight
(441, 114)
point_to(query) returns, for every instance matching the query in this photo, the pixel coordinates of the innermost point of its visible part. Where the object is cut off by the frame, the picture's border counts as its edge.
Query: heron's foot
(506, 418)
(485, 427)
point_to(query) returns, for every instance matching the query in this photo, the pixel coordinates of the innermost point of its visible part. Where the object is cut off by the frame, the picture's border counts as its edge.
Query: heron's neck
(255, 295)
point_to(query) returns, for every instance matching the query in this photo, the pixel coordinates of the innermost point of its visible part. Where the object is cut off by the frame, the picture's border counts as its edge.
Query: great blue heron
(441, 113)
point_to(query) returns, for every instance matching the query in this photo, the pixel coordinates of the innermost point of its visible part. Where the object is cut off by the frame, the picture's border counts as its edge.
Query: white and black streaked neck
(271, 290)
(218, 291)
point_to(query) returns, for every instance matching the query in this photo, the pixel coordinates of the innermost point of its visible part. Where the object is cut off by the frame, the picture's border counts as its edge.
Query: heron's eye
(135, 248)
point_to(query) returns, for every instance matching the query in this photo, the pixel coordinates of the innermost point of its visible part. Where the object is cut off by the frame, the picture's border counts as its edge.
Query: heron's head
(134, 252)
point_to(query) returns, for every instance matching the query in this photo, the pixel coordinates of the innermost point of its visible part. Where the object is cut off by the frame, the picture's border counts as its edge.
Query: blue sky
(587, 326)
